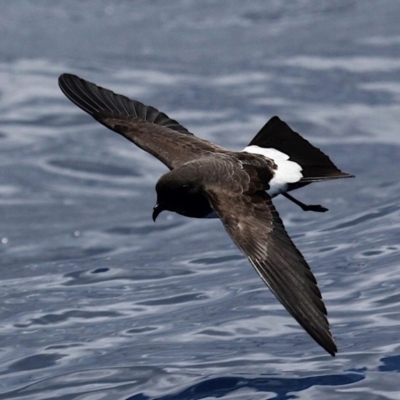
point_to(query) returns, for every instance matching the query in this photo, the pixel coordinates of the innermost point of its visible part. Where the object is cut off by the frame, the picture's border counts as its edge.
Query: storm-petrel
(206, 180)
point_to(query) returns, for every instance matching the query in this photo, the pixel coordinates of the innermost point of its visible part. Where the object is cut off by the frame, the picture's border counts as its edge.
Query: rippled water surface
(97, 301)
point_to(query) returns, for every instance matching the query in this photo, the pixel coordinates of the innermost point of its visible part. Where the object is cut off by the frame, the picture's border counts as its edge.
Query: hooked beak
(157, 211)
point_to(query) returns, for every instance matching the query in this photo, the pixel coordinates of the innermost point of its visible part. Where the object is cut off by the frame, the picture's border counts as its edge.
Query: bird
(205, 180)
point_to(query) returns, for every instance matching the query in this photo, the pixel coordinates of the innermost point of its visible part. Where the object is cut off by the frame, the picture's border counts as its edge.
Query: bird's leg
(305, 207)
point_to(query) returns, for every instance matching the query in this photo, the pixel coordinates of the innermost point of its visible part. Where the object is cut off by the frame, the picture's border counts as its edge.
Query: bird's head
(174, 192)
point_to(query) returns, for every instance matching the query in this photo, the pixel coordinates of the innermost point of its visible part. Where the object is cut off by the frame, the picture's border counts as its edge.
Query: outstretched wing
(254, 225)
(148, 128)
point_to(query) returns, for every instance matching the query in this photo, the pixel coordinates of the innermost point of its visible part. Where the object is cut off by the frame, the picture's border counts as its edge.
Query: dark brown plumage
(237, 186)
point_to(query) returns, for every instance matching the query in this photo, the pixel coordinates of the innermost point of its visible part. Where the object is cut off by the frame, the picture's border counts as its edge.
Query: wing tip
(331, 348)
(64, 77)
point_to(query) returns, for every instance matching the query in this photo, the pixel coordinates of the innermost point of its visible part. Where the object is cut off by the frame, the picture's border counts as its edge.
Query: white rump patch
(286, 172)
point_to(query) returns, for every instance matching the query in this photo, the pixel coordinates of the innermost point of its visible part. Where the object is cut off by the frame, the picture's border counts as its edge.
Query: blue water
(97, 301)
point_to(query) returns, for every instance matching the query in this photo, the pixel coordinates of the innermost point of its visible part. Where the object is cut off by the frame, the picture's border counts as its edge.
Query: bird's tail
(316, 166)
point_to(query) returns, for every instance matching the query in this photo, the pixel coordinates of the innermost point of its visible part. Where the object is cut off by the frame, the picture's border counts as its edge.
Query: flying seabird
(206, 180)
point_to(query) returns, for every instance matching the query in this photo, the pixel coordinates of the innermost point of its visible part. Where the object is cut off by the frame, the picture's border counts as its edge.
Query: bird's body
(185, 188)
(207, 180)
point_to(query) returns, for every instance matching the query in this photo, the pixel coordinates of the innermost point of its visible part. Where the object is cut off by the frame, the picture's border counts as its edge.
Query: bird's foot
(314, 207)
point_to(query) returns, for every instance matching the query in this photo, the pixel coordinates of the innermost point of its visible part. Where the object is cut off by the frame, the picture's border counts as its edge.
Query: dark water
(97, 301)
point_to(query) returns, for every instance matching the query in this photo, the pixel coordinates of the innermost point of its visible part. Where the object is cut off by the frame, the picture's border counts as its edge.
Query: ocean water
(97, 301)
